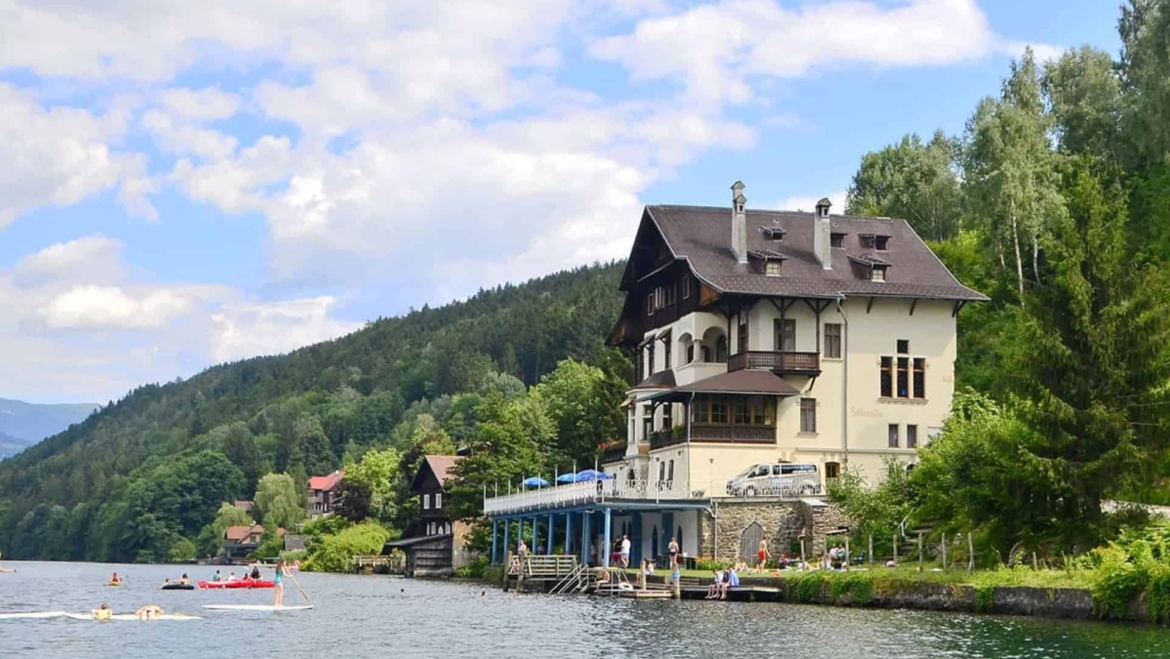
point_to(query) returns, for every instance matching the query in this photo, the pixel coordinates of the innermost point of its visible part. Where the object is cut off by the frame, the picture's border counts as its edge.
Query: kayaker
(103, 613)
(278, 583)
(115, 580)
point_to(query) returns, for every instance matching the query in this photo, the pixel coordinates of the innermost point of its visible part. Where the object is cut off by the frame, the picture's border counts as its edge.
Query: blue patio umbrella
(535, 481)
(567, 478)
(593, 475)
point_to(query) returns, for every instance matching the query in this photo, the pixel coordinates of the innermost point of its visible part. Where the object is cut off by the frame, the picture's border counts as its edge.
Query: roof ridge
(749, 211)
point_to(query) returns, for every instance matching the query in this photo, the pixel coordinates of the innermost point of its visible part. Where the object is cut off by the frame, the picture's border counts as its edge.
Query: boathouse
(433, 543)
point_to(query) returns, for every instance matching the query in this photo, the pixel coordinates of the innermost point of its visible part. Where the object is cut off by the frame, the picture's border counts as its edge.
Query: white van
(780, 479)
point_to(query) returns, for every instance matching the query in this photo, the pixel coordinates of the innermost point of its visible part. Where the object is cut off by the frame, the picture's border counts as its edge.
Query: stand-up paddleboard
(255, 607)
(41, 615)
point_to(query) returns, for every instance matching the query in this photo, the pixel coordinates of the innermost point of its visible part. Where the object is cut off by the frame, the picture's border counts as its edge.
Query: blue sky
(191, 184)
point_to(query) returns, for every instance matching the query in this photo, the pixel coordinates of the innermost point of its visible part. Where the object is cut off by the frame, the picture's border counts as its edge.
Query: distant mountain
(24, 424)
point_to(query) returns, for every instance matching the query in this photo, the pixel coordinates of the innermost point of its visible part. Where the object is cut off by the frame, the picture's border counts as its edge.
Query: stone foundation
(784, 524)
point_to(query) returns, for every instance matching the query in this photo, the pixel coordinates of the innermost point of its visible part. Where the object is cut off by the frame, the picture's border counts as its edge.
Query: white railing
(582, 493)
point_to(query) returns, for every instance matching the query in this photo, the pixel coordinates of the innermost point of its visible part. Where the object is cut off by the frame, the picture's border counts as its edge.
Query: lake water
(374, 616)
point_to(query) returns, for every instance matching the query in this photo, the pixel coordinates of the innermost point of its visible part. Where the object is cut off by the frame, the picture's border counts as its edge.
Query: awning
(747, 382)
(660, 380)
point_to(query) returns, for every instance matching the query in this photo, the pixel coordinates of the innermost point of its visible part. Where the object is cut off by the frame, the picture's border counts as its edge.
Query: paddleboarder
(278, 583)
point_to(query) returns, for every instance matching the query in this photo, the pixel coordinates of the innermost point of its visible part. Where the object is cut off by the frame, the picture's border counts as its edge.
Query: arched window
(679, 538)
(721, 349)
(654, 542)
(749, 542)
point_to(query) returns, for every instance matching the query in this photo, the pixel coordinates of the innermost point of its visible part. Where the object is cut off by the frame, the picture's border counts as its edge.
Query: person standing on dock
(672, 549)
(522, 549)
(625, 551)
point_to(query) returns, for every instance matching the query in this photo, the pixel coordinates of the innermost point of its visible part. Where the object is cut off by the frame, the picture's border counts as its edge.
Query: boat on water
(176, 586)
(238, 583)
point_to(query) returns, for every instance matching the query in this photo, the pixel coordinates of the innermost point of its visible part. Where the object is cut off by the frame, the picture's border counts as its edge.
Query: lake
(374, 616)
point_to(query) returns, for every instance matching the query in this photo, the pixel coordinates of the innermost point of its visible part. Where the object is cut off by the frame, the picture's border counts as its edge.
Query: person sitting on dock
(602, 574)
(730, 580)
(716, 584)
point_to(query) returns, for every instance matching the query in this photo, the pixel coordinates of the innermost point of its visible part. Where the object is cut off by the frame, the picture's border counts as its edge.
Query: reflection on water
(387, 617)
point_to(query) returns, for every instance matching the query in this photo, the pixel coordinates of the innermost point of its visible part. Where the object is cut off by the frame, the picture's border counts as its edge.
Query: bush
(475, 569)
(182, 550)
(334, 553)
(711, 566)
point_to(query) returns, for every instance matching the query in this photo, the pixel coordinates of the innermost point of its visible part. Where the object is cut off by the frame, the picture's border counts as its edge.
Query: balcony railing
(664, 438)
(614, 454)
(574, 494)
(745, 434)
(780, 361)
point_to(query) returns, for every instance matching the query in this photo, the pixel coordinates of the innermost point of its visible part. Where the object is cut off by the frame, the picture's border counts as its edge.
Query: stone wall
(784, 523)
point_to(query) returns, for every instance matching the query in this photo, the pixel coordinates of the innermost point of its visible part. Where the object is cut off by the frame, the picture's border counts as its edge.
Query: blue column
(550, 534)
(585, 539)
(607, 548)
(507, 529)
(495, 525)
(568, 533)
(636, 540)
(535, 543)
(520, 531)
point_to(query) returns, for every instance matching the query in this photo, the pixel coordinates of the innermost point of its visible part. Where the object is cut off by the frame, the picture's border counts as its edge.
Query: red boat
(238, 583)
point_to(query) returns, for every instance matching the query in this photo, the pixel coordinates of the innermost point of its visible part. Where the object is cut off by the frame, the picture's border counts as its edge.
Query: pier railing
(574, 494)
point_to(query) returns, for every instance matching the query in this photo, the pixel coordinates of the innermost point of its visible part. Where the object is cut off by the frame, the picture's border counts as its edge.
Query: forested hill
(157, 463)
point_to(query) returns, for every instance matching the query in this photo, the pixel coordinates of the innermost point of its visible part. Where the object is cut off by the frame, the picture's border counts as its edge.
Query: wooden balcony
(782, 362)
(613, 454)
(712, 433)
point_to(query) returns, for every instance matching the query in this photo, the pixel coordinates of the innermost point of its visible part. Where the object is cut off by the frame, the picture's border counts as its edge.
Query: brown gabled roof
(702, 236)
(747, 382)
(440, 466)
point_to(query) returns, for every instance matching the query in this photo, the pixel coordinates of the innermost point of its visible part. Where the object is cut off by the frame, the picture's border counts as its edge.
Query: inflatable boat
(238, 583)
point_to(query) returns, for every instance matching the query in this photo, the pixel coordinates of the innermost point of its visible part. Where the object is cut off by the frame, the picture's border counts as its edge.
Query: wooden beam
(868, 305)
(913, 303)
(958, 306)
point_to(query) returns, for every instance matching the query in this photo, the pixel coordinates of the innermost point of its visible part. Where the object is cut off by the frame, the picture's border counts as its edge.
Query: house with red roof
(239, 541)
(323, 492)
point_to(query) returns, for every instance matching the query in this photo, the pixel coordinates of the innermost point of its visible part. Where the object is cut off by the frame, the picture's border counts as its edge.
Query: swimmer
(103, 613)
(149, 612)
(115, 580)
(3, 569)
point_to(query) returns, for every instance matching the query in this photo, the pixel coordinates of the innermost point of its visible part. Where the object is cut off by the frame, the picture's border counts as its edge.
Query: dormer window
(881, 243)
(772, 268)
(837, 240)
(766, 261)
(773, 233)
(878, 273)
(865, 240)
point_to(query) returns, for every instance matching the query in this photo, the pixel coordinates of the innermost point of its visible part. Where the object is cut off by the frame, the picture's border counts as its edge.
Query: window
(666, 354)
(772, 268)
(639, 367)
(903, 346)
(718, 410)
(833, 340)
(650, 304)
(668, 416)
(670, 294)
(808, 415)
(741, 411)
(426, 502)
(762, 411)
(438, 500)
(705, 354)
(887, 377)
(865, 240)
(686, 286)
(650, 358)
(882, 243)
(919, 377)
(670, 471)
(832, 470)
(878, 273)
(721, 349)
(785, 334)
(837, 239)
(903, 377)
(661, 471)
(894, 435)
(742, 346)
(647, 423)
(911, 436)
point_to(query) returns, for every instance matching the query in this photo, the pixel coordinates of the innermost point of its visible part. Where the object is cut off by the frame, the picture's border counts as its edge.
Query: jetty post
(895, 549)
(495, 525)
(568, 533)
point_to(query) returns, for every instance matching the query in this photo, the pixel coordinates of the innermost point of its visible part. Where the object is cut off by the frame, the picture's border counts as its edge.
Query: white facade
(853, 419)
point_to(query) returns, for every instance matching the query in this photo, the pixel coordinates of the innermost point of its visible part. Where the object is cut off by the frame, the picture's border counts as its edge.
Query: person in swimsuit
(278, 583)
(116, 580)
(762, 554)
(185, 580)
(103, 613)
(255, 573)
(149, 612)
(673, 551)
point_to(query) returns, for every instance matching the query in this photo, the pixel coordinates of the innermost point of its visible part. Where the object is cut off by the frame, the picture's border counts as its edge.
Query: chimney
(738, 222)
(822, 234)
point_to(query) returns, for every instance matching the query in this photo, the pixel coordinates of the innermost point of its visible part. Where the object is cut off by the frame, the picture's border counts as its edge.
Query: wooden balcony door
(785, 334)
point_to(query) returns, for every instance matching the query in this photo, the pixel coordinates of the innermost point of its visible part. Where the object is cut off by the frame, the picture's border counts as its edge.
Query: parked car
(780, 479)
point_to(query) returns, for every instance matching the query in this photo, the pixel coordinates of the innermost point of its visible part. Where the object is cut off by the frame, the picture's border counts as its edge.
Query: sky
(183, 184)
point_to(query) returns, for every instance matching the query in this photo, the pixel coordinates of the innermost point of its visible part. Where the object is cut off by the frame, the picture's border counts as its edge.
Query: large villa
(772, 351)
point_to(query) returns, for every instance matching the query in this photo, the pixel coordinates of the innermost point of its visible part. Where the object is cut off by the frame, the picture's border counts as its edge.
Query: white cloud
(714, 50)
(111, 307)
(206, 104)
(266, 329)
(809, 203)
(1042, 51)
(92, 259)
(56, 156)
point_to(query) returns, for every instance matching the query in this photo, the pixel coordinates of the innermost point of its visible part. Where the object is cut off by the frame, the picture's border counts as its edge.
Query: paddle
(294, 580)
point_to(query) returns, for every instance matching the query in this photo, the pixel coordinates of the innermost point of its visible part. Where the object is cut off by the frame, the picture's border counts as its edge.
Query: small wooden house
(433, 542)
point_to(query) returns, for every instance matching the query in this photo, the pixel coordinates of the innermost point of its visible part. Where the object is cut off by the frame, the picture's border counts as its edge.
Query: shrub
(334, 553)
(474, 569)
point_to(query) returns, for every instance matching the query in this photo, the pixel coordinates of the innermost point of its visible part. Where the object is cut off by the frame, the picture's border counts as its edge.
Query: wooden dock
(380, 564)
